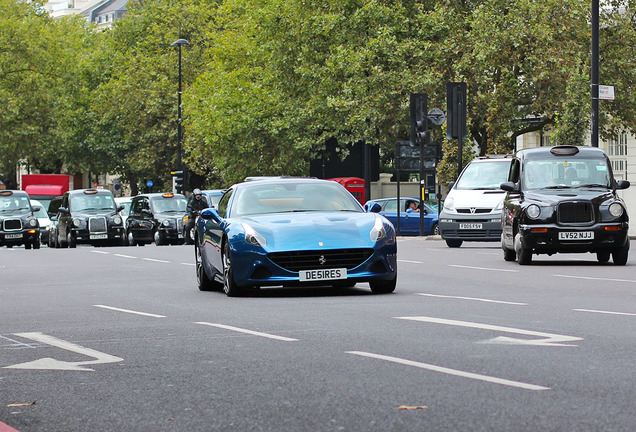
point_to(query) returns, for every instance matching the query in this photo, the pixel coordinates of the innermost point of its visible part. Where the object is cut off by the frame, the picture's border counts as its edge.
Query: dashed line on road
(125, 256)
(448, 371)
(483, 268)
(130, 311)
(188, 264)
(605, 312)
(156, 260)
(474, 299)
(100, 252)
(410, 262)
(595, 278)
(251, 332)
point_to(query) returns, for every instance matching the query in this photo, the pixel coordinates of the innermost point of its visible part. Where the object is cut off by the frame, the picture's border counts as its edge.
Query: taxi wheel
(603, 256)
(36, 245)
(524, 255)
(71, 241)
(383, 287)
(27, 245)
(230, 288)
(189, 236)
(159, 240)
(619, 256)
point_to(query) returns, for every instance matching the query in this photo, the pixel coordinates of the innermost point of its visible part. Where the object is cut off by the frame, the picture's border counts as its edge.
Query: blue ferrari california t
(293, 232)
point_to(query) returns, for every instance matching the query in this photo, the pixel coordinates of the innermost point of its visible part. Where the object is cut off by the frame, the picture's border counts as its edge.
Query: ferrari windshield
(292, 196)
(561, 172)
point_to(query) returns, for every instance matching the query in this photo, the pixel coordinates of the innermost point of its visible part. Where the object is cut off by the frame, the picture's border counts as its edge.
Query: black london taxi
(89, 216)
(18, 222)
(563, 199)
(156, 217)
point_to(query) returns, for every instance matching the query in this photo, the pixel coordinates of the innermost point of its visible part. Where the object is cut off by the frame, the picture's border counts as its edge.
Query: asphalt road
(120, 339)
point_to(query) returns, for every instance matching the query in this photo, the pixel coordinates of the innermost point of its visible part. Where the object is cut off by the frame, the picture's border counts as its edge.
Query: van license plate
(322, 274)
(471, 226)
(576, 235)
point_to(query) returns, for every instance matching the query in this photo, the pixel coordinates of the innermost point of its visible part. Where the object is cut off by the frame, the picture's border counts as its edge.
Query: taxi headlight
(616, 209)
(32, 222)
(166, 222)
(77, 223)
(117, 220)
(533, 211)
(377, 232)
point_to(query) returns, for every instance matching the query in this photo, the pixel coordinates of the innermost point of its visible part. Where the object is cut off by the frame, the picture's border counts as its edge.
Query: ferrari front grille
(320, 259)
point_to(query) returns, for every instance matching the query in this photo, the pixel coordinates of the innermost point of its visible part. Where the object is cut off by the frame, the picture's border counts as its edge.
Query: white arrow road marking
(547, 339)
(448, 371)
(49, 363)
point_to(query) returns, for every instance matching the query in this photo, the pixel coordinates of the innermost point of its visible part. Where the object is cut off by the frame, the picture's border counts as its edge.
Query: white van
(472, 208)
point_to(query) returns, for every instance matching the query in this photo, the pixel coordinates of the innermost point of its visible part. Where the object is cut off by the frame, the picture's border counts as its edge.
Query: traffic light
(456, 110)
(418, 119)
(177, 181)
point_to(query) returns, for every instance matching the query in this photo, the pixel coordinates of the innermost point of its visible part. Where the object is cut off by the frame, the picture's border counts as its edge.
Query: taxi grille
(576, 212)
(12, 224)
(97, 224)
(321, 259)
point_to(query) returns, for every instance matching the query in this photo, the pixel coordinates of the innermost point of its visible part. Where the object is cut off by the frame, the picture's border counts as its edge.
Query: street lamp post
(179, 43)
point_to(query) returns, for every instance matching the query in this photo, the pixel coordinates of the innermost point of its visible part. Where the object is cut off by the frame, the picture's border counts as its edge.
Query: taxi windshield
(573, 172)
(92, 202)
(169, 204)
(14, 204)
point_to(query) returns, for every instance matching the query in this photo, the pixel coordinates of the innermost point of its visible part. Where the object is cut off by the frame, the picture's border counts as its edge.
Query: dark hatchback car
(563, 199)
(18, 222)
(88, 216)
(156, 217)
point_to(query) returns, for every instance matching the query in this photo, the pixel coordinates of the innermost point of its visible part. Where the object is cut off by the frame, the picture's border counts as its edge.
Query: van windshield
(484, 175)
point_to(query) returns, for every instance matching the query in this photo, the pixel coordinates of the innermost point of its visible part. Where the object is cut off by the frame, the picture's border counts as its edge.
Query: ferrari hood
(314, 230)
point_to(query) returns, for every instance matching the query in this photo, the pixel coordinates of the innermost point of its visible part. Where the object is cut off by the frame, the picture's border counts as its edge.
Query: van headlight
(449, 204)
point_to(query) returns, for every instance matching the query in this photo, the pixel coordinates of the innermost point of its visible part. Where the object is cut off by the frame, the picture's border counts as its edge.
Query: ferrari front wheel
(383, 287)
(230, 288)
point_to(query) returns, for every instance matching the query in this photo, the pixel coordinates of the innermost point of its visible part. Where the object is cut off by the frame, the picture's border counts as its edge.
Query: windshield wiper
(593, 185)
(558, 187)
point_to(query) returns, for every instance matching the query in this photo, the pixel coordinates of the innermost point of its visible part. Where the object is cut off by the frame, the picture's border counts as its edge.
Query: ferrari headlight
(533, 211)
(616, 209)
(77, 223)
(252, 237)
(377, 232)
(117, 220)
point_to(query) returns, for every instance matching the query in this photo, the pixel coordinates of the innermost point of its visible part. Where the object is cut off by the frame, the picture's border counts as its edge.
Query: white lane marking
(547, 339)
(125, 256)
(130, 311)
(100, 252)
(410, 262)
(473, 298)
(156, 260)
(596, 278)
(50, 363)
(605, 312)
(188, 264)
(448, 371)
(483, 268)
(252, 332)
(17, 343)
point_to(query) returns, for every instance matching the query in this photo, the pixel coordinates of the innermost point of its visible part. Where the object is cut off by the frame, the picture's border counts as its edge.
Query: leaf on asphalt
(411, 407)
(21, 404)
